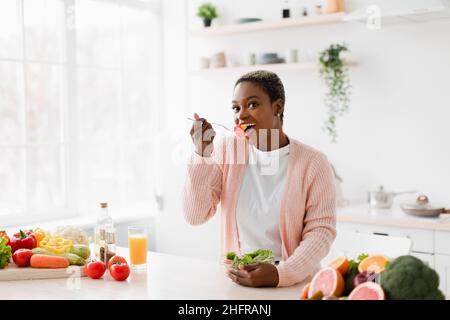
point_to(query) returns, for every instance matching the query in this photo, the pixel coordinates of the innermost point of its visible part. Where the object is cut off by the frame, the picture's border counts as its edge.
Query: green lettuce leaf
(5, 253)
(258, 256)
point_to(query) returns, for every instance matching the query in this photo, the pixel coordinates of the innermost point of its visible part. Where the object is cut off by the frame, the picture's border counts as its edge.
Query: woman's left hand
(255, 275)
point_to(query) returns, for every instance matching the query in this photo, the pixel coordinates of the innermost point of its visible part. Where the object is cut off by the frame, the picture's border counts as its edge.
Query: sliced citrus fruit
(373, 263)
(305, 290)
(367, 291)
(329, 281)
(341, 264)
(317, 296)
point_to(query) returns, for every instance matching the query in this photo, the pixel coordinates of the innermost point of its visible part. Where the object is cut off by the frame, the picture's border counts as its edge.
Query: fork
(213, 123)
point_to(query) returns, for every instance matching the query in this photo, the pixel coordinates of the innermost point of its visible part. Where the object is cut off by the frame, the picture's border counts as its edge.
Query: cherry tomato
(119, 271)
(22, 257)
(116, 259)
(239, 131)
(95, 269)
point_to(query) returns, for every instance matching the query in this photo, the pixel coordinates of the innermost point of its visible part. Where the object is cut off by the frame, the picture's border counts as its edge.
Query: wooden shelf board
(271, 67)
(269, 25)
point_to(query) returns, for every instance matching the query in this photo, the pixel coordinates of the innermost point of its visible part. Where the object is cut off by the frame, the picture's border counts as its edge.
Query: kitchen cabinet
(422, 239)
(442, 241)
(442, 267)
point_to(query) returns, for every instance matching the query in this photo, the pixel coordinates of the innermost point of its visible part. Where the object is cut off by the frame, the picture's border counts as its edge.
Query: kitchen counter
(83, 222)
(394, 217)
(167, 277)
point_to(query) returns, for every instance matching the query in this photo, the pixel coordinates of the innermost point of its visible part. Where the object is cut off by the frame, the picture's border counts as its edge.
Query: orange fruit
(367, 291)
(341, 264)
(329, 281)
(373, 263)
(305, 290)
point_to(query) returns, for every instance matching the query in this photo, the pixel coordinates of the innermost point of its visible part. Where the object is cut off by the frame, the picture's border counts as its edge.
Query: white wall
(174, 235)
(396, 133)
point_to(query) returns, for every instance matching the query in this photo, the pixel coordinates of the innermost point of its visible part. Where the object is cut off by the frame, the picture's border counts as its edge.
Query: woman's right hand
(202, 134)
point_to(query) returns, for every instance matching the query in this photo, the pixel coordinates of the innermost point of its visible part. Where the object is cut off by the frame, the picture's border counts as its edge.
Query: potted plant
(334, 74)
(207, 12)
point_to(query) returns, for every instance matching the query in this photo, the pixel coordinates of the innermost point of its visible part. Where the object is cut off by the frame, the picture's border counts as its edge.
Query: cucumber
(43, 251)
(81, 250)
(73, 258)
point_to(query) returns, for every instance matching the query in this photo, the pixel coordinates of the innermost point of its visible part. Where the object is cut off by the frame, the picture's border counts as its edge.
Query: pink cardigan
(308, 206)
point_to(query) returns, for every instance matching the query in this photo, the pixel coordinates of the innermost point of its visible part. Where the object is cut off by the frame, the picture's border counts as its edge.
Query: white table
(167, 277)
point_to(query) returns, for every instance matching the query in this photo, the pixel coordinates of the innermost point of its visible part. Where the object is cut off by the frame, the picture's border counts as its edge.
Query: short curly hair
(269, 82)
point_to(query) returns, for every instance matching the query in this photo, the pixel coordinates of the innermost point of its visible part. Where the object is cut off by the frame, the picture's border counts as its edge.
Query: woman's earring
(278, 114)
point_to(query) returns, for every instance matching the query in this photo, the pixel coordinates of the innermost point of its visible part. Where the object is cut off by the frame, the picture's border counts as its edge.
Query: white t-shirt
(258, 207)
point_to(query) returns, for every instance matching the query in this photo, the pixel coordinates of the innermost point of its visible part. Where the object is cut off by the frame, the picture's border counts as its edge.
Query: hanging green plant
(334, 74)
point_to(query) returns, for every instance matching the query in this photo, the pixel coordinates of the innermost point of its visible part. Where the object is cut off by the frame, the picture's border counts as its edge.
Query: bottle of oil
(103, 227)
(108, 247)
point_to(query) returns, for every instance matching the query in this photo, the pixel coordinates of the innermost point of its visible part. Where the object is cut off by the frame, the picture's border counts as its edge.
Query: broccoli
(408, 278)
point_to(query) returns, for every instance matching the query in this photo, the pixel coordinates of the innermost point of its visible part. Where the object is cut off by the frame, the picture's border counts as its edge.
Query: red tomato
(119, 271)
(239, 131)
(116, 259)
(95, 269)
(22, 257)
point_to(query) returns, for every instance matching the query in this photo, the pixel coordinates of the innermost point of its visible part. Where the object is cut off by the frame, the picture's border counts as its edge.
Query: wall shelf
(278, 67)
(269, 25)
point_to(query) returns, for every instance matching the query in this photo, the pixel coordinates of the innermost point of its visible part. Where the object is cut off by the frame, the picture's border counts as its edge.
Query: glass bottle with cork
(105, 235)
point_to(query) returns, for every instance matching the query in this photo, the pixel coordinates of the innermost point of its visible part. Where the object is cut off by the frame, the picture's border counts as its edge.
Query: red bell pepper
(23, 240)
(4, 235)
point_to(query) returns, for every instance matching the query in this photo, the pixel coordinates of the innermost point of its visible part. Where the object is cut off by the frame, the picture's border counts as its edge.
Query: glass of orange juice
(137, 243)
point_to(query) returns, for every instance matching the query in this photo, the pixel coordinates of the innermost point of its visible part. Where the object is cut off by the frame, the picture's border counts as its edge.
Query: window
(78, 95)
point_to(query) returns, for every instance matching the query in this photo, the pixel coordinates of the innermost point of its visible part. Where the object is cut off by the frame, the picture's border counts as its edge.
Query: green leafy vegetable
(231, 255)
(353, 272)
(5, 253)
(258, 256)
(355, 262)
(362, 256)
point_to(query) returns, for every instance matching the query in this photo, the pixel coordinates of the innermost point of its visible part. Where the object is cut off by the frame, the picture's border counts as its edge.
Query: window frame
(68, 144)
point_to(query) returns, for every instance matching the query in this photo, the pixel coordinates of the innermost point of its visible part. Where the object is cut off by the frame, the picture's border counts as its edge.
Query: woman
(280, 197)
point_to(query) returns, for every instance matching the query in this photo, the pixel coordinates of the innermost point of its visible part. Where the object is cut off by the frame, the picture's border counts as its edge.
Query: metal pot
(422, 208)
(382, 199)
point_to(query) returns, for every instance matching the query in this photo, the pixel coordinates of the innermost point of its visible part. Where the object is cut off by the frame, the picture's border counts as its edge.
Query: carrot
(45, 261)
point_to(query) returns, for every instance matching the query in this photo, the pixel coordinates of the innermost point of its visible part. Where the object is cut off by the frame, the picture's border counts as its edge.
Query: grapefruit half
(367, 291)
(329, 281)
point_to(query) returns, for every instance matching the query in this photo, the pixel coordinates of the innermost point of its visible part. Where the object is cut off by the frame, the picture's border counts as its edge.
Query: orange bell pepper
(39, 234)
(4, 235)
